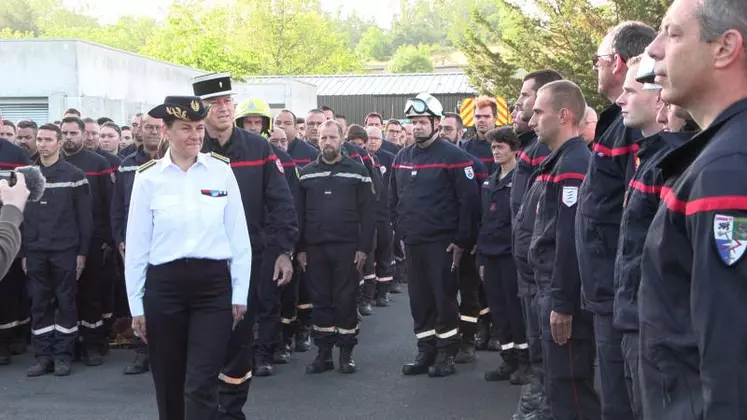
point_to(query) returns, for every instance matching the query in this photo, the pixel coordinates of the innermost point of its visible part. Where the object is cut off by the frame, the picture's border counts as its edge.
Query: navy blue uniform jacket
(98, 171)
(261, 181)
(120, 207)
(302, 153)
(600, 208)
(494, 238)
(641, 202)
(693, 291)
(552, 253)
(529, 159)
(62, 219)
(291, 173)
(337, 204)
(433, 195)
(383, 161)
(481, 150)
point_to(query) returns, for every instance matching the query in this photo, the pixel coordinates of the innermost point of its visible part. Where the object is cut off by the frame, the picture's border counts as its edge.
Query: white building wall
(102, 81)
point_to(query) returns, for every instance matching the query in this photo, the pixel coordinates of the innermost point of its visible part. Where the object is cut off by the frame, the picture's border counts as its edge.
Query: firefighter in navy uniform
(692, 295)
(433, 195)
(109, 268)
(255, 116)
(14, 313)
(497, 264)
(486, 111)
(120, 208)
(57, 232)
(382, 161)
(271, 217)
(474, 312)
(89, 296)
(338, 216)
(566, 329)
(600, 208)
(531, 154)
(639, 104)
(295, 301)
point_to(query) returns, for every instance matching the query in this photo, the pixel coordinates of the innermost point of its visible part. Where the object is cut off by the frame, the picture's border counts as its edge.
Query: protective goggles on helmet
(417, 106)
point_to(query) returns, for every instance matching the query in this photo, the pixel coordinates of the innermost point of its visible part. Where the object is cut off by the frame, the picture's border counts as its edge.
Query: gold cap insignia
(177, 113)
(195, 106)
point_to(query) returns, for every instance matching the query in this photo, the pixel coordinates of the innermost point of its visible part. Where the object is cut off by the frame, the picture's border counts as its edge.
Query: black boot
(483, 334)
(365, 309)
(494, 345)
(303, 340)
(5, 354)
(263, 368)
(443, 366)
(506, 368)
(382, 294)
(466, 353)
(420, 365)
(323, 361)
(141, 364)
(347, 364)
(91, 356)
(523, 374)
(41, 367)
(282, 355)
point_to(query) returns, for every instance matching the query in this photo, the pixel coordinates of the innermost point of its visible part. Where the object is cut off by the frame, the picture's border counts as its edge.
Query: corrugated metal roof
(382, 84)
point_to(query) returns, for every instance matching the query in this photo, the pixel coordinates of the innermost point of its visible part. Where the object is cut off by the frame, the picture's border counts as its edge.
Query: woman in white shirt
(187, 263)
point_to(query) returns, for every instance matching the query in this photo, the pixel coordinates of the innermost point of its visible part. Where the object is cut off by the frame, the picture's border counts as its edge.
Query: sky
(108, 11)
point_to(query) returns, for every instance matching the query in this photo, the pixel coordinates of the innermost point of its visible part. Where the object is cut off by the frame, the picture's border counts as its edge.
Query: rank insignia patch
(469, 173)
(730, 234)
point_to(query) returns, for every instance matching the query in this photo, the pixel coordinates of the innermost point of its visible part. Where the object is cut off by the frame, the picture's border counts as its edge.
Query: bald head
(279, 138)
(564, 94)
(588, 126)
(375, 138)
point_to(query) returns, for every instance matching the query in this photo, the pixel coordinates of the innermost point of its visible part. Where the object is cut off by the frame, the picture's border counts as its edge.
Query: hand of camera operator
(11, 216)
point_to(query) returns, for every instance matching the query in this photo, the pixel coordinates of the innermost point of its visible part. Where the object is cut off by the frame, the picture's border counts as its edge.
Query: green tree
(411, 59)
(353, 26)
(128, 33)
(563, 36)
(375, 44)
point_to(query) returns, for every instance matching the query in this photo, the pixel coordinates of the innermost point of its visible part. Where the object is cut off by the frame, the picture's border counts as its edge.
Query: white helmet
(423, 105)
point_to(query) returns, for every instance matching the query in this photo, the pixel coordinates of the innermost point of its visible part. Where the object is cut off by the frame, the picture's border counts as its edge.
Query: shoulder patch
(570, 196)
(469, 172)
(279, 165)
(220, 157)
(146, 165)
(730, 234)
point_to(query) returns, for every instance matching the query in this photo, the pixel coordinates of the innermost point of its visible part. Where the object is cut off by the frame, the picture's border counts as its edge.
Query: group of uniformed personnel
(625, 253)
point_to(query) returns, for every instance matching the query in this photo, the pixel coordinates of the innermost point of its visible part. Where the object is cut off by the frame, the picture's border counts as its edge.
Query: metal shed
(356, 95)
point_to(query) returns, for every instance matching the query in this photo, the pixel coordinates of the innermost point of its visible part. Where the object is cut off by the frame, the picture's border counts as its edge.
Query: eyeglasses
(595, 59)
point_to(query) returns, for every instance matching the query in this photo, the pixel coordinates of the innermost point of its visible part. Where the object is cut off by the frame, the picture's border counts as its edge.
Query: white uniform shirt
(193, 214)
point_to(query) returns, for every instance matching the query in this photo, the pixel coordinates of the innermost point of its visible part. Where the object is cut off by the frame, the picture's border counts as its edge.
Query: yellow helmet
(257, 107)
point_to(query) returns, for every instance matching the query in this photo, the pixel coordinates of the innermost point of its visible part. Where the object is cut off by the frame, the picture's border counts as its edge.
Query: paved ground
(377, 391)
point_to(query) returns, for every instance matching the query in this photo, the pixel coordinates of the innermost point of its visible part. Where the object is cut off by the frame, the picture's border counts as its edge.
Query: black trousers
(501, 291)
(534, 340)
(267, 297)
(91, 285)
(333, 287)
(631, 353)
(236, 374)
(615, 400)
(469, 296)
(52, 288)
(109, 279)
(295, 304)
(188, 319)
(14, 305)
(569, 369)
(432, 288)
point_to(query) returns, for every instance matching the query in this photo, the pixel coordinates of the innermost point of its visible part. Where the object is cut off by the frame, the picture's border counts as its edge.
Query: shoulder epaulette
(146, 165)
(220, 157)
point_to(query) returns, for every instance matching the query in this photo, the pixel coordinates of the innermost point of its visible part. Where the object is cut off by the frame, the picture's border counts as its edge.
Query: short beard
(72, 149)
(330, 155)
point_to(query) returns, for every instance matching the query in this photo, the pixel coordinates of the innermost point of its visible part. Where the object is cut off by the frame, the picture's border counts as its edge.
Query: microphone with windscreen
(35, 181)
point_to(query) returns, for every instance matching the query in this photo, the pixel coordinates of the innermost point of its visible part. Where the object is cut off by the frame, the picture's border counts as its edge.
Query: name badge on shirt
(214, 193)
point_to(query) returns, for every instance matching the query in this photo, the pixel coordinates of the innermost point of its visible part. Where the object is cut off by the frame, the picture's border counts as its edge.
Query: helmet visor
(416, 106)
